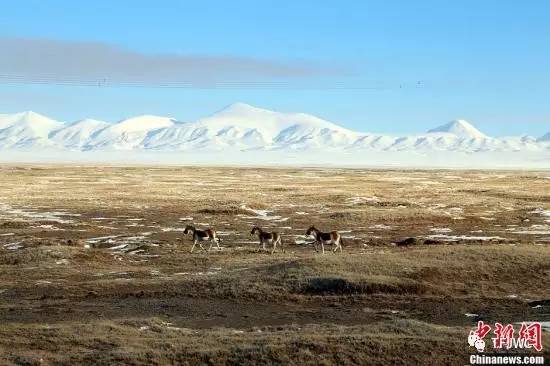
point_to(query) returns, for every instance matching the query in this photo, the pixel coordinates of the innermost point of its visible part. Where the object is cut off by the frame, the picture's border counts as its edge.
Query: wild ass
(333, 238)
(202, 235)
(268, 238)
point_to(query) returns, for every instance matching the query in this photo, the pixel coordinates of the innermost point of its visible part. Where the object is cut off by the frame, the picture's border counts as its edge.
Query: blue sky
(380, 66)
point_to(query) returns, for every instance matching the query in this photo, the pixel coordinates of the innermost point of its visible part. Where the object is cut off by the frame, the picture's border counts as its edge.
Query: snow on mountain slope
(261, 127)
(141, 123)
(26, 130)
(458, 136)
(8, 119)
(459, 128)
(127, 134)
(268, 123)
(242, 128)
(374, 142)
(79, 133)
(515, 143)
(451, 142)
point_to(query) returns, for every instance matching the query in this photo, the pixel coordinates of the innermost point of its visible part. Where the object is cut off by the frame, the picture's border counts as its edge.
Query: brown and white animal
(265, 237)
(333, 238)
(202, 235)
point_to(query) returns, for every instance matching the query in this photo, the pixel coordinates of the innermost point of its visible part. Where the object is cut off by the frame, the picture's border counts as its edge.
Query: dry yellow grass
(95, 268)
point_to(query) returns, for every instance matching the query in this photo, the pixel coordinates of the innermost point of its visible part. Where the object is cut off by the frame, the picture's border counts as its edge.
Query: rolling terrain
(95, 267)
(248, 135)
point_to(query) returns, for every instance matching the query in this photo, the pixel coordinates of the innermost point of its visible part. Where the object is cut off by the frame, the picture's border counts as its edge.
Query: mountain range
(243, 128)
(240, 127)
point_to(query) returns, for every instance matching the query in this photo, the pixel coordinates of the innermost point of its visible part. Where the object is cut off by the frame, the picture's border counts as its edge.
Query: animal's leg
(282, 246)
(211, 243)
(323, 247)
(218, 243)
(193, 247)
(263, 245)
(274, 246)
(200, 245)
(315, 246)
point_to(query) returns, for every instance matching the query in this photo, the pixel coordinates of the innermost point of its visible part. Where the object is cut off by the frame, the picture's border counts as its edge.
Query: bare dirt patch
(96, 270)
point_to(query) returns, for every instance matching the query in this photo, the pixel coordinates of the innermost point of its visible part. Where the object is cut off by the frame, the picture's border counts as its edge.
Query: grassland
(95, 268)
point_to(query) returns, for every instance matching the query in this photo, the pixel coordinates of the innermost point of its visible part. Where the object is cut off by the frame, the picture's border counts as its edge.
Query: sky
(372, 66)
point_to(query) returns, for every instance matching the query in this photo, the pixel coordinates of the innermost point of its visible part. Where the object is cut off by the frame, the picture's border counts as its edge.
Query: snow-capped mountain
(128, 134)
(26, 130)
(459, 128)
(240, 128)
(78, 134)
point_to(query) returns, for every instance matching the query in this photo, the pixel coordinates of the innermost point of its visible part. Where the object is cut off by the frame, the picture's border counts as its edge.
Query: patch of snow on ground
(541, 211)
(262, 215)
(303, 239)
(361, 200)
(532, 230)
(225, 233)
(166, 229)
(257, 212)
(526, 232)
(101, 238)
(208, 273)
(49, 227)
(121, 246)
(443, 237)
(13, 246)
(441, 230)
(380, 227)
(31, 215)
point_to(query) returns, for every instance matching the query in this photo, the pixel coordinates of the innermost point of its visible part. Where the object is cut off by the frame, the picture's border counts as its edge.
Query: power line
(13, 79)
